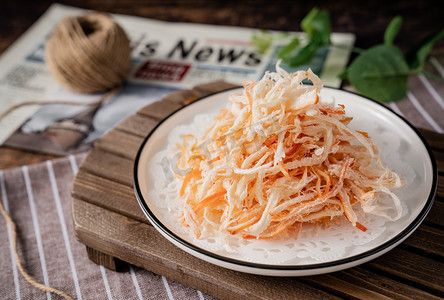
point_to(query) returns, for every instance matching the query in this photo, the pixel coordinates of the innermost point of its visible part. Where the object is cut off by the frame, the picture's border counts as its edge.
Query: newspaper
(165, 57)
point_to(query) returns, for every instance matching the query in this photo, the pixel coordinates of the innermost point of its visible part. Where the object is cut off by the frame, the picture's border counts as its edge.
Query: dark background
(367, 20)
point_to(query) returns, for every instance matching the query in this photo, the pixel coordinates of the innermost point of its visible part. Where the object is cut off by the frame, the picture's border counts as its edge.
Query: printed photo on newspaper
(165, 57)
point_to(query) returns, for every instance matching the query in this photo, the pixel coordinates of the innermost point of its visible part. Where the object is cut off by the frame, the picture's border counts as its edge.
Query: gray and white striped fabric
(38, 199)
(424, 104)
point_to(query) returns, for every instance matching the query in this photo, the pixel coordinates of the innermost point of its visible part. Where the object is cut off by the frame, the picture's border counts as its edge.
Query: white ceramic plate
(368, 116)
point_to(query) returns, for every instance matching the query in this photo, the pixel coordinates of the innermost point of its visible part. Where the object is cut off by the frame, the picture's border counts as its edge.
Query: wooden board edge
(202, 276)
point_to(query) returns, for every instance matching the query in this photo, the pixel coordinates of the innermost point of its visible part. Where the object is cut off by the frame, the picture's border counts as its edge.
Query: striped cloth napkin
(38, 200)
(424, 104)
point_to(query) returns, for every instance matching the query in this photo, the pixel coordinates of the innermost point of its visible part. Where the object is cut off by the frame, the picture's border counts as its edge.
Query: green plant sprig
(380, 72)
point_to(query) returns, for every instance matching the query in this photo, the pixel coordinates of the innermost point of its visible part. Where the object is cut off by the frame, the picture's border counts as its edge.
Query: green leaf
(262, 41)
(416, 57)
(286, 50)
(317, 22)
(343, 75)
(306, 53)
(380, 73)
(306, 23)
(392, 30)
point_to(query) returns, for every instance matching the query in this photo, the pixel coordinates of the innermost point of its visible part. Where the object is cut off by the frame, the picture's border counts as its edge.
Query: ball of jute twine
(86, 54)
(89, 53)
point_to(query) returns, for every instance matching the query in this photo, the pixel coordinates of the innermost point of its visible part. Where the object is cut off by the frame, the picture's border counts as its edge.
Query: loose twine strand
(86, 54)
(28, 277)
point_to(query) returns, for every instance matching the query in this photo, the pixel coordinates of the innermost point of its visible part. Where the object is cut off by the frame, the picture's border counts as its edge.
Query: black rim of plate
(371, 252)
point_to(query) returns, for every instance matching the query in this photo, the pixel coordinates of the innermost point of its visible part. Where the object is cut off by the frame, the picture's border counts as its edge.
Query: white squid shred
(292, 161)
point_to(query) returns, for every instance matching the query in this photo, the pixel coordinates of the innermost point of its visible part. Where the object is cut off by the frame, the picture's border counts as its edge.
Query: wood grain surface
(108, 219)
(367, 19)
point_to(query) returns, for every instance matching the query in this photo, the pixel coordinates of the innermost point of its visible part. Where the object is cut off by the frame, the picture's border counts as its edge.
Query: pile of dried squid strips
(278, 158)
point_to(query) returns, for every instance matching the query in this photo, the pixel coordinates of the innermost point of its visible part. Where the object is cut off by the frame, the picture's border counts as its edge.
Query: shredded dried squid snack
(277, 159)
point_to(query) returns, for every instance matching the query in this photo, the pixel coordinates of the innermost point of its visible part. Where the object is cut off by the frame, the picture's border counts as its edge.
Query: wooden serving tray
(109, 221)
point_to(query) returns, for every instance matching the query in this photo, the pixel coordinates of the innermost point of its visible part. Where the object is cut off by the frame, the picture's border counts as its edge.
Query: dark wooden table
(367, 19)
